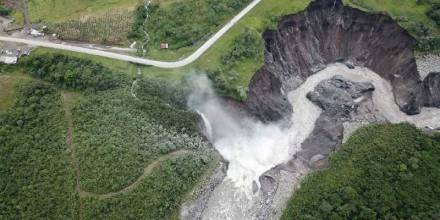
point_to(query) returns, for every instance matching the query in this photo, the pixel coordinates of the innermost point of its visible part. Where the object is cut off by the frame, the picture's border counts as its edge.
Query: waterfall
(208, 127)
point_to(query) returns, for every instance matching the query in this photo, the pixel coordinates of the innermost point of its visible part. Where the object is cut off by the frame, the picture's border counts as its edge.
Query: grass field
(18, 18)
(407, 12)
(6, 91)
(110, 28)
(103, 21)
(63, 10)
(7, 88)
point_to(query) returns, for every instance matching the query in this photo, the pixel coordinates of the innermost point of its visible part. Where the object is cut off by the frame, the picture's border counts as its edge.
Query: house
(8, 59)
(10, 56)
(164, 46)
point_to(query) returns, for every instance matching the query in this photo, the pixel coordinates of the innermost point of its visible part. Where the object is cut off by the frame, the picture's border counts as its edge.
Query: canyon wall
(431, 89)
(328, 32)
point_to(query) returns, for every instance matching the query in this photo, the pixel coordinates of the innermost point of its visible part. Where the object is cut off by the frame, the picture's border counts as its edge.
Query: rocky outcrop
(333, 96)
(431, 90)
(340, 100)
(327, 32)
(338, 96)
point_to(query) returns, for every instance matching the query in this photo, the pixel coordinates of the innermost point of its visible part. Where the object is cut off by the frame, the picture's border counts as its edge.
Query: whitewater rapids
(252, 148)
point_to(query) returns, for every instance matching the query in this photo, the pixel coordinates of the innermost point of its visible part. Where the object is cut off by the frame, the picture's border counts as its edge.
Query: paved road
(139, 60)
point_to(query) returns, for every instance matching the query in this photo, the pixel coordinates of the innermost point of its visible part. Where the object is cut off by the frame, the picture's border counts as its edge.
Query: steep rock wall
(327, 32)
(431, 89)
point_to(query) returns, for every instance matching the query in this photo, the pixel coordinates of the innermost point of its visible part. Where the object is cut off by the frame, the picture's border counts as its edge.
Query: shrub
(5, 11)
(428, 44)
(434, 13)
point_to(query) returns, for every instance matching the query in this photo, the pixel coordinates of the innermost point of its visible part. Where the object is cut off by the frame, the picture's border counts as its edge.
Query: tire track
(67, 106)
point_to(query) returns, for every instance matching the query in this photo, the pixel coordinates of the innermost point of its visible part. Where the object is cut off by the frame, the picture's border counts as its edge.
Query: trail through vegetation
(147, 171)
(37, 180)
(93, 150)
(67, 106)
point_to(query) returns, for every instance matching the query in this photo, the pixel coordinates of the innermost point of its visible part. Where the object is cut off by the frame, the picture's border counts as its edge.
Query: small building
(8, 59)
(164, 46)
(11, 55)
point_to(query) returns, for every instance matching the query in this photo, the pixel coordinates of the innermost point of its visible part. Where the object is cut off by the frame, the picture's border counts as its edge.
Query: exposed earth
(344, 95)
(300, 82)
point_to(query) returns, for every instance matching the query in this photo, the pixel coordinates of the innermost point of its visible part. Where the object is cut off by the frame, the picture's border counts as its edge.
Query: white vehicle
(36, 33)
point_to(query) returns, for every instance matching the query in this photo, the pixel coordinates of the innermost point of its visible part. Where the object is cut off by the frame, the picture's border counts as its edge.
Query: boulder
(339, 96)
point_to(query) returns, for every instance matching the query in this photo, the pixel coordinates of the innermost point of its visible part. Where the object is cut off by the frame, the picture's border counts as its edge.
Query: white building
(8, 59)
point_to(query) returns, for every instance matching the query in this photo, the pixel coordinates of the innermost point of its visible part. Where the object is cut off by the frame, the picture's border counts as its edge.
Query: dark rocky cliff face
(328, 32)
(340, 100)
(431, 88)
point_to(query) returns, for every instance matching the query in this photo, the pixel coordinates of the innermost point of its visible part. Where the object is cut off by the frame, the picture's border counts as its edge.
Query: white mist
(250, 147)
(253, 148)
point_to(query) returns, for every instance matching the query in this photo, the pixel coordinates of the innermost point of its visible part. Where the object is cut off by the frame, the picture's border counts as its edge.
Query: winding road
(161, 64)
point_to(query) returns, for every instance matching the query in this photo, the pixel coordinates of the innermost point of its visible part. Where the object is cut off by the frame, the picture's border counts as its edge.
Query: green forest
(73, 73)
(37, 180)
(383, 172)
(183, 23)
(86, 137)
(75, 144)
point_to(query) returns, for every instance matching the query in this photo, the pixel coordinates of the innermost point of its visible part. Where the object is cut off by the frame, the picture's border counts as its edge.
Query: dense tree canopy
(115, 137)
(382, 172)
(73, 73)
(36, 179)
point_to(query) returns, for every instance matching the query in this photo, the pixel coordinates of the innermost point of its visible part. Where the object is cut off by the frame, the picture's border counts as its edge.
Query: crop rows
(110, 28)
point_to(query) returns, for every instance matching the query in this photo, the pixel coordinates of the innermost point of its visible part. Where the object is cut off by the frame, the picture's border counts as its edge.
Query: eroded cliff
(327, 32)
(431, 89)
